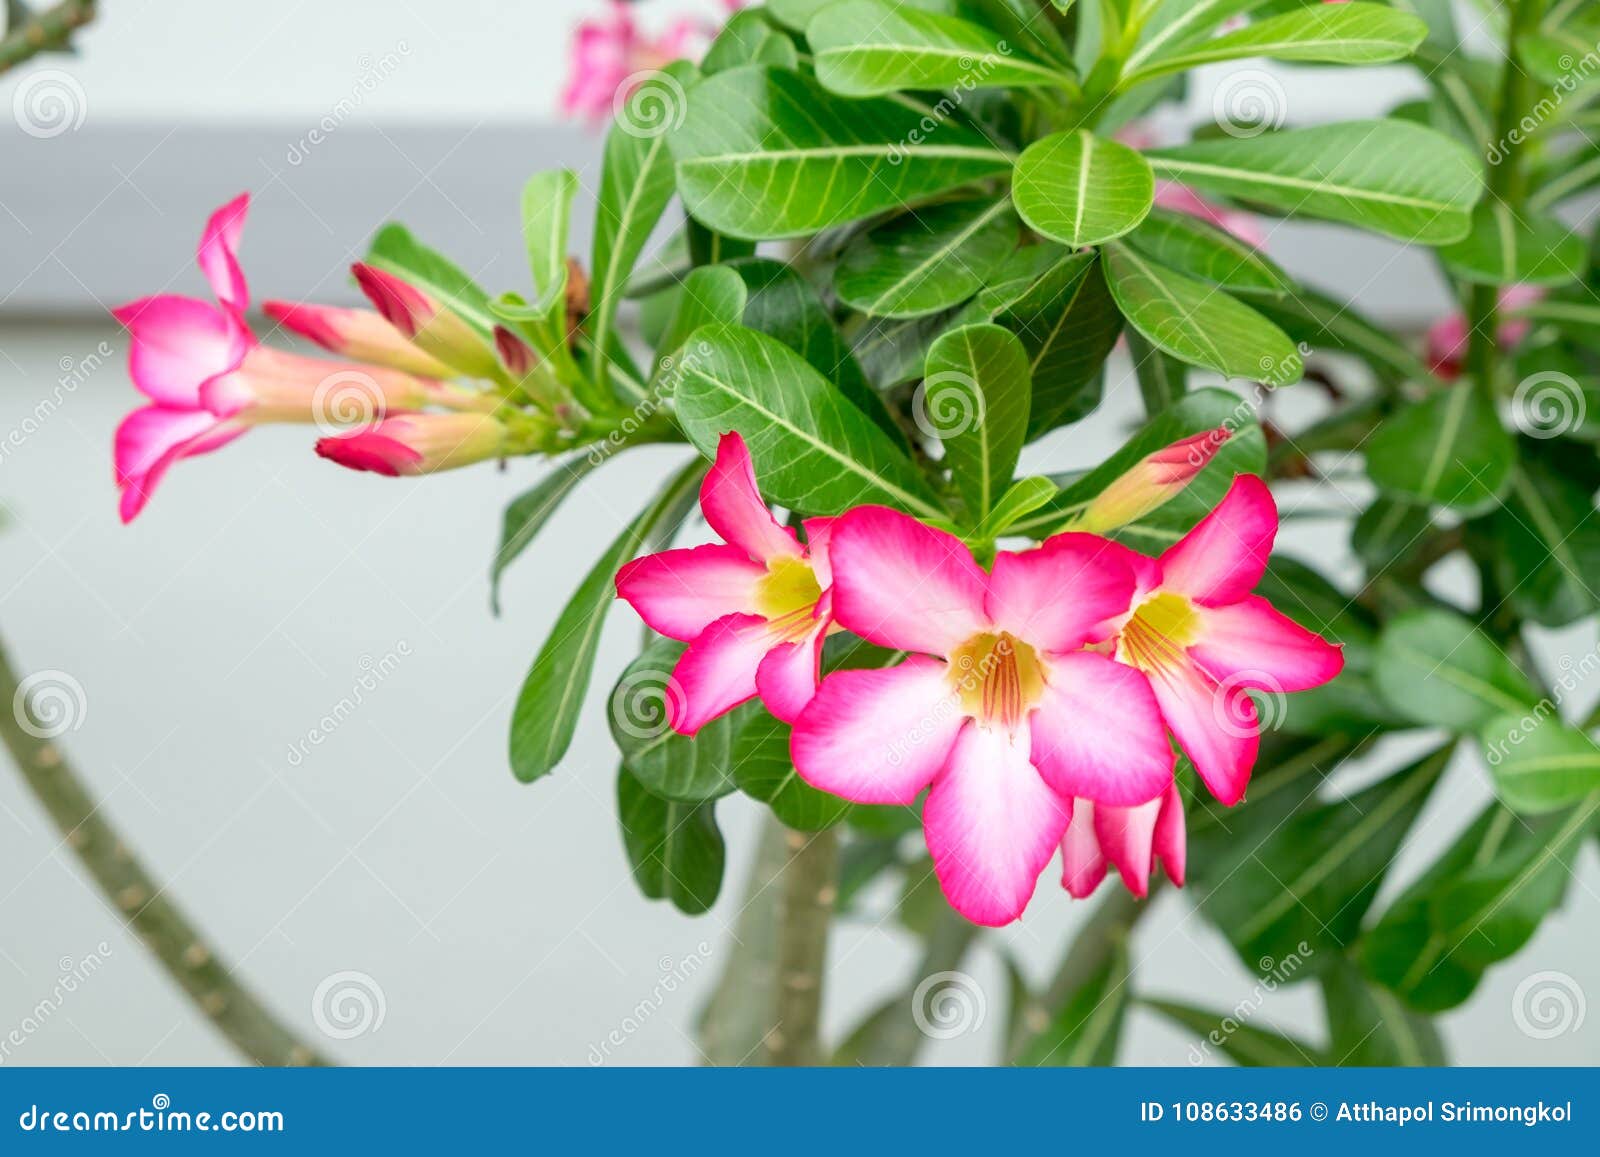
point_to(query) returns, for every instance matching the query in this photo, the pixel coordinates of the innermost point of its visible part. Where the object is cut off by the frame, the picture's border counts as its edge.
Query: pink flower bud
(1150, 482)
(360, 334)
(409, 444)
(435, 329)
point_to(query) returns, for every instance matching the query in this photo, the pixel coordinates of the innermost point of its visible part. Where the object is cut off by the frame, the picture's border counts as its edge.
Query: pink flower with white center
(362, 334)
(1133, 839)
(1447, 340)
(1000, 711)
(208, 379)
(754, 608)
(410, 444)
(1204, 641)
(611, 54)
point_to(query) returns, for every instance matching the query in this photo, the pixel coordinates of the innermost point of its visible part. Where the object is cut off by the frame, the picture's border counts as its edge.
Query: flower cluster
(393, 406)
(611, 55)
(1031, 700)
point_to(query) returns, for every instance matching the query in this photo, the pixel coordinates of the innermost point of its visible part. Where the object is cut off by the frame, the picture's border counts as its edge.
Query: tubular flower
(1131, 838)
(1150, 482)
(361, 334)
(208, 379)
(1204, 641)
(437, 330)
(754, 609)
(1000, 708)
(409, 444)
(1447, 340)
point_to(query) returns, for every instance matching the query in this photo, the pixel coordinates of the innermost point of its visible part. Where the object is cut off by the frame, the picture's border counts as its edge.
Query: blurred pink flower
(611, 53)
(1447, 340)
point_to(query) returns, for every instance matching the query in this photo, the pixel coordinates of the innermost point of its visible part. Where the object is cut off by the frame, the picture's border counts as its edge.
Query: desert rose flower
(208, 379)
(1182, 199)
(1132, 839)
(999, 708)
(1204, 641)
(408, 444)
(610, 54)
(1150, 483)
(1447, 340)
(431, 326)
(361, 334)
(754, 608)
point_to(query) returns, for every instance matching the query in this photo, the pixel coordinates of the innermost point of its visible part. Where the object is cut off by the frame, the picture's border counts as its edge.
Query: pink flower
(1447, 340)
(408, 444)
(361, 334)
(432, 327)
(1204, 641)
(1150, 482)
(208, 379)
(610, 54)
(754, 609)
(1000, 709)
(1131, 838)
(1182, 199)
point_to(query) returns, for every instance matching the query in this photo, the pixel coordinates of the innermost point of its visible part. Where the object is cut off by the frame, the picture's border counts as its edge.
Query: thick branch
(805, 912)
(45, 31)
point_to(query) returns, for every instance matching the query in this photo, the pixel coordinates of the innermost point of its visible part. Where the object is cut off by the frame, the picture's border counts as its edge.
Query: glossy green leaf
(1024, 496)
(1174, 23)
(1448, 449)
(1201, 250)
(675, 849)
(749, 37)
(974, 397)
(1539, 764)
(1387, 531)
(1371, 1028)
(528, 512)
(873, 47)
(928, 260)
(709, 295)
(764, 154)
(814, 451)
(547, 708)
(763, 770)
(1162, 379)
(1440, 670)
(1547, 544)
(1080, 189)
(1322, 323)
(396, 251)
(1245, 1043)
(1507, 247)
(1392, 177)
(546, 211)
(1198, 323)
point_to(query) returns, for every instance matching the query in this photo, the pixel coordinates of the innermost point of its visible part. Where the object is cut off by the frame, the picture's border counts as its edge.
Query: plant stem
(43, 32)
(901, 1038)
(804, 914)
(231, 1007)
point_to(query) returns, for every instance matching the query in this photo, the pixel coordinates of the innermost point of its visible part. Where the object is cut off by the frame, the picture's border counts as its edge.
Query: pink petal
(682, 592)
(177, 343)
(1221, 560)
(733, 507)
(150, 439)
(878, 736)
(787, 678)
(219, 246)
(1098, 732)
(1172, 837)
(1250, 644)
(1216, 726)
(818, 533)
(1083, 864)
(718, 671)
(992, 824)
(1127, 837)
(900, 584)
(1061, 595)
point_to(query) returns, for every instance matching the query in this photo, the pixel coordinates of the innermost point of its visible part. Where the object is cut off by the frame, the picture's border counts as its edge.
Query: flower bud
(1150, 482)
(410, 444)
(434, 328)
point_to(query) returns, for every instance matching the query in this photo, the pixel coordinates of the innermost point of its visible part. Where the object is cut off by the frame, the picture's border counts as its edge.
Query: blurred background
(493, 923)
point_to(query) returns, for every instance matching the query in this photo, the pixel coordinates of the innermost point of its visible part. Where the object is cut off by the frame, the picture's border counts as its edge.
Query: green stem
(901, 1039)
(232, 1008)
(804, 915)
(43, 32)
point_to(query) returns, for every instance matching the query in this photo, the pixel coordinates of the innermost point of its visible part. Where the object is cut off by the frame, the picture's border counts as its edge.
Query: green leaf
(1198, 323)
(1479, 904)
(709, 295)
(1162, 379)
(1310, 880)
(767, 154)
(1087, 1028)
(974, 398)
(1392, 177)
(1540, 764)
(1506, 247)
(873, 47)
(636, 183)
(1201, 250)
(749, 38)
(546, 211)
(529, 511)
(675, 849)
(1441, 671)
(814, 451)
(1321, 323)
(547, 708)
(1023, 497)
(1448, 449)
(1082, 190)
(1387, 531)
(395, 250)
(1547, 544)
(763, 770)
(1329, 34)
(1178, 22)
(672, 766)
(925, 261)
(1371, 1028)
(1245, 1044)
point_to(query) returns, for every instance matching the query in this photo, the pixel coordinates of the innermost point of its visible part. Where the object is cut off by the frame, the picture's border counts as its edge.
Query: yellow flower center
(997, 677)
(1155, 638)
(786, 596)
